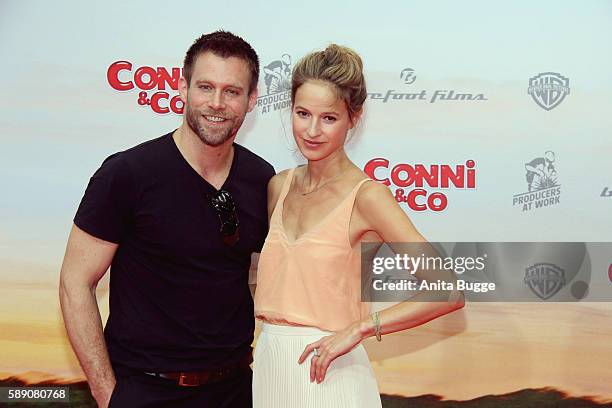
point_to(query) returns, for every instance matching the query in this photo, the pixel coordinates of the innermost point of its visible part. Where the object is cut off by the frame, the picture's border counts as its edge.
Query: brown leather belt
(192, 379)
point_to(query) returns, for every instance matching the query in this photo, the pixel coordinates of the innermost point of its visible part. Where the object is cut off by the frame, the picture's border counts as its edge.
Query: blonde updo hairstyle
(338, 66)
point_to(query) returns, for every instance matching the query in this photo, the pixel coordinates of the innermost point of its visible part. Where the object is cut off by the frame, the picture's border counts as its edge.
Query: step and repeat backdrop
(489, 121)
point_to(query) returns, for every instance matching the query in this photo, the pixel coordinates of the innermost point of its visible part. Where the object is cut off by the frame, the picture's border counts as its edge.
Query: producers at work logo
(408, 77)
(155, 85)
(277, 81)
(543, 188)
(548, 89)
(408, 181)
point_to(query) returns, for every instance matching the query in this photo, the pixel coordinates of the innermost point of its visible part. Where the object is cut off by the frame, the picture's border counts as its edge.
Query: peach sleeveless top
(314, 280)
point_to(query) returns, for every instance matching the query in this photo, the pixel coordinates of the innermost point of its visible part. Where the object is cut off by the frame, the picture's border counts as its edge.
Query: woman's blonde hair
(338, 66)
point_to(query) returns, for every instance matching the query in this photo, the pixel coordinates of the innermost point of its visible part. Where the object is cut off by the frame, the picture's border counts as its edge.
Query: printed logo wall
(407, 181)
(548, 89)
(508, 143)
(412, 183)
(154, 84)
(277, 85)
(408, 77)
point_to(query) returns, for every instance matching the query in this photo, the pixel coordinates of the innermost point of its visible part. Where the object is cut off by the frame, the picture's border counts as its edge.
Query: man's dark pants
(145, 391)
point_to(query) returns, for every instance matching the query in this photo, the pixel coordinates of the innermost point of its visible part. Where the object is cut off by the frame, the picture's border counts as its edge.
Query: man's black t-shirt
(179, 297)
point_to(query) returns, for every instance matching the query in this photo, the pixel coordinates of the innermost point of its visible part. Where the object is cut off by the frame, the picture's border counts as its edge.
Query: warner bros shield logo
(544, 279)
(548, 89)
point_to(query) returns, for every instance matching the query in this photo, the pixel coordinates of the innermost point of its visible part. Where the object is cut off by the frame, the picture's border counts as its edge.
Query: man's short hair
(223, 44)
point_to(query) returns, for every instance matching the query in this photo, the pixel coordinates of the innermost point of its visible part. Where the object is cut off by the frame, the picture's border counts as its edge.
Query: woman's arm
(275, 186)
(380, 213)
(377, 211)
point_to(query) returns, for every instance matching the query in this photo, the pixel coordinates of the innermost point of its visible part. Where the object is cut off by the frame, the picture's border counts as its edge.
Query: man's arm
(86, 260)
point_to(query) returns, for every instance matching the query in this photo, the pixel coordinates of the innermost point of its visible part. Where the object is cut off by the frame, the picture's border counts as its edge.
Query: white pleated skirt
(280, 382)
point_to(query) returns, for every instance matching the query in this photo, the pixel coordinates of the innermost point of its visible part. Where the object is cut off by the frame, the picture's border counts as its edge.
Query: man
(177, 218)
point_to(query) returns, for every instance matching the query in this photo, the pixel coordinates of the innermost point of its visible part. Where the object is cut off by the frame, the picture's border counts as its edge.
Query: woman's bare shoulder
(277, 181)
(373, 194)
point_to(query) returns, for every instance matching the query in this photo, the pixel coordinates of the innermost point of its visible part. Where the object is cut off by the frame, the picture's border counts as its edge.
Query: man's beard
(210, 137)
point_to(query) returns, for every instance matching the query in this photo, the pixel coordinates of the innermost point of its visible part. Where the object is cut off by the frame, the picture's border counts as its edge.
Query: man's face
(217, 99)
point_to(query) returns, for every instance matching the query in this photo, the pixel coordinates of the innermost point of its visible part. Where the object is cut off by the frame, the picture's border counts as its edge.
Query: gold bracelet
(376, 321)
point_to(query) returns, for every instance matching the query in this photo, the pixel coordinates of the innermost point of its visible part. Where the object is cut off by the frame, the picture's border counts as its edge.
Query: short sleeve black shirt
(179, 297)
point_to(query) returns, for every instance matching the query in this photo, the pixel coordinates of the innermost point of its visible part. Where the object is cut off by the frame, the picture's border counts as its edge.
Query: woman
(308, 285)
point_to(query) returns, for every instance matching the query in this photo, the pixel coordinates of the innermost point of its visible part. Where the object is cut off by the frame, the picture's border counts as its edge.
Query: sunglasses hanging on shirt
(223, 203)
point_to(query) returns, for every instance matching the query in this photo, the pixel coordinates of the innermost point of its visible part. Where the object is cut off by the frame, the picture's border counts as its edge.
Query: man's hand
(103, 395)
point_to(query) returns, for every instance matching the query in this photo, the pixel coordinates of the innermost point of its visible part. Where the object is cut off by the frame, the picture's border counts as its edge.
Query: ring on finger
(316, 352)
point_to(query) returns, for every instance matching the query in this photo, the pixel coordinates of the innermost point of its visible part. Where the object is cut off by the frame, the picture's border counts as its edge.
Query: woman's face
(319, 119)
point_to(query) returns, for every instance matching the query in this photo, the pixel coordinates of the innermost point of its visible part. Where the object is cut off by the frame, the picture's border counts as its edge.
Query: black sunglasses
(223, 203)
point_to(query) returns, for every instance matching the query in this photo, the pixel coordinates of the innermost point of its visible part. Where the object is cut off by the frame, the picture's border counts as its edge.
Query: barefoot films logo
(408, 77)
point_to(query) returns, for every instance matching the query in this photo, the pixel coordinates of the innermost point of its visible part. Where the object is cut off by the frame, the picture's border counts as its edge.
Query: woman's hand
(329, 348)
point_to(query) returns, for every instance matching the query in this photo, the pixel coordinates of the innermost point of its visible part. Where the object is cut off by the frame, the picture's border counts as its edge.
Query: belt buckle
(188, 380)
